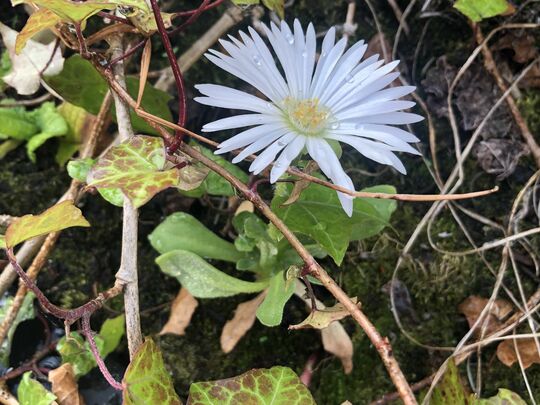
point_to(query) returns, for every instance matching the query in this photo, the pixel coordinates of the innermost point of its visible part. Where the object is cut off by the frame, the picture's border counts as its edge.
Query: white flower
(338, 98)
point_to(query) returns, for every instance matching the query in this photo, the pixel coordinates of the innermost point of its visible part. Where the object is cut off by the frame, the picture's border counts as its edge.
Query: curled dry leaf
(322, 318)
(27, 67)
(244, 206)
(528, 352)
(182, 310)
(64, 385)
(301, 185)
(474, 305)
(335, 339)
(243, 320)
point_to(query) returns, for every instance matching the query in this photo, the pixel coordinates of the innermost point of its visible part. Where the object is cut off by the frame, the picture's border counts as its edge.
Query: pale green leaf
(276, 5)
(76, 351)
(270, 312)
(503, 397)
(31, 392)
(146, 380)
(274, 386)
(318, 214)
(201, 279)
(477, 10)
(111, 332)
(2, 242)
(51, 124)
(137, 167)
(8, 146)
(78, 169)
(60, 216)
(181, 231)
(16, 123)
(450, 390)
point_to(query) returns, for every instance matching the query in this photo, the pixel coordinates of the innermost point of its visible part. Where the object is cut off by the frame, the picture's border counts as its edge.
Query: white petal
(398, 132)
(396, 143)
(325, 67)
(394, 118)
(327, 160)
(240, 121)
(269, 154)
(260, 143)
(226, 97)
(246, 137)
(284, 160)
(374, 109)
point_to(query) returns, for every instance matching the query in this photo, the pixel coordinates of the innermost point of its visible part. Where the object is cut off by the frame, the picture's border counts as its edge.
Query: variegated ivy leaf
(78, 12)
(137, 167)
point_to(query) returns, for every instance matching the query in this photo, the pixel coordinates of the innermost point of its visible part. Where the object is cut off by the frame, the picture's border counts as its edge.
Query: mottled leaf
(181, 231)
(137, 167)
(322, 318)
(31, 392)
(450, 389)
(503, 397)
(39, 20)
(76, 351)
(80, 83)
(60, 216)
(78, 169)
(318, 214)
(146, 380)
(270, 312)
(202, 279)
(274, 386)
(477, 10)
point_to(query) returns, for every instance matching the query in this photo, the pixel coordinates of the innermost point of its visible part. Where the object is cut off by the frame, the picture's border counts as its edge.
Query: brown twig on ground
(127, 274)
(399, 15)
(382, 345)
(492, 68)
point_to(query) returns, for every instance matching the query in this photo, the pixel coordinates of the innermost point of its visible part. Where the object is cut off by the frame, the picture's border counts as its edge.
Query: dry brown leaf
(245, 206)
(243, 320)
(322, 318)
(335, 340)
(523, 46)
(182, 309)
(474, 305)
(64, 385)
(506, 352)
(301, 185)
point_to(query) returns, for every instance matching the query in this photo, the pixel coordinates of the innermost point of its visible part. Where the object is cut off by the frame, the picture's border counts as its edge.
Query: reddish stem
(128, 53)
(179, 80)
(194, 11)
(194, 16)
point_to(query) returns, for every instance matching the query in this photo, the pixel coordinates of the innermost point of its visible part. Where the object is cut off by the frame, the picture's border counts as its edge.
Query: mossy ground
(86, 260)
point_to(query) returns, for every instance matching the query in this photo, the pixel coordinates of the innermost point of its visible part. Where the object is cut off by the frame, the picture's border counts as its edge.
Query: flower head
(308, 103)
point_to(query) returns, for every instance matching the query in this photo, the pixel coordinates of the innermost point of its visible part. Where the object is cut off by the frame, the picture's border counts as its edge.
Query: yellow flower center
(307, 117)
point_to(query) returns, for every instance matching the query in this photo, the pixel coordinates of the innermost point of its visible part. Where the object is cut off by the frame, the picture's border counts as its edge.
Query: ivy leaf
(277, 385)
(477, 10)
(318, 214)
(146, 380)
(111, 332)
(78, 169)
(201, 279)
(181, 231)
(503, 397)
(76, 351)
(31, 392)
(78, 12)
(276, 5)
(214, 184)
(81, 84)
(322, 318)
(39, 20)
(60, 216)
(137, 167)
(270, 312)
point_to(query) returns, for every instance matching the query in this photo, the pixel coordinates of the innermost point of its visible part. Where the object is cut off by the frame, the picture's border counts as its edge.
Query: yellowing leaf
(321, 318)
(146, 380)
(38, 21)
(60, 216)
(137, 167)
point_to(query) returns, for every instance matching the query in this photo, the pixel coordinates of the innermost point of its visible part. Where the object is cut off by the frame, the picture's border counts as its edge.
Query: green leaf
(111, 332)
(2, 242)
(51, 124)
(274, 386)
(78, 169)
(270, 312)
(41, 19)
(146, 380)
(201, 279)
(5, 67)
(503, 397)
(8, 146)
(137, 167)
(16, 123)
(181, 231)
(477, 10)
(80, 84)
(76, 351)
(450, 390)
(79, 121)
(26, 312)
(60, 216)
(318, 214)
(276, 5)
(31, 392)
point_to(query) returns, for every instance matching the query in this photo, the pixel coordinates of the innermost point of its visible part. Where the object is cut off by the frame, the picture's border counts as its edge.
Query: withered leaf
(321, 318)
(243, 320)
(64, 385)
(474, 305)
(301, 185)
(528, 352)
(182, 310)
(335, 340)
